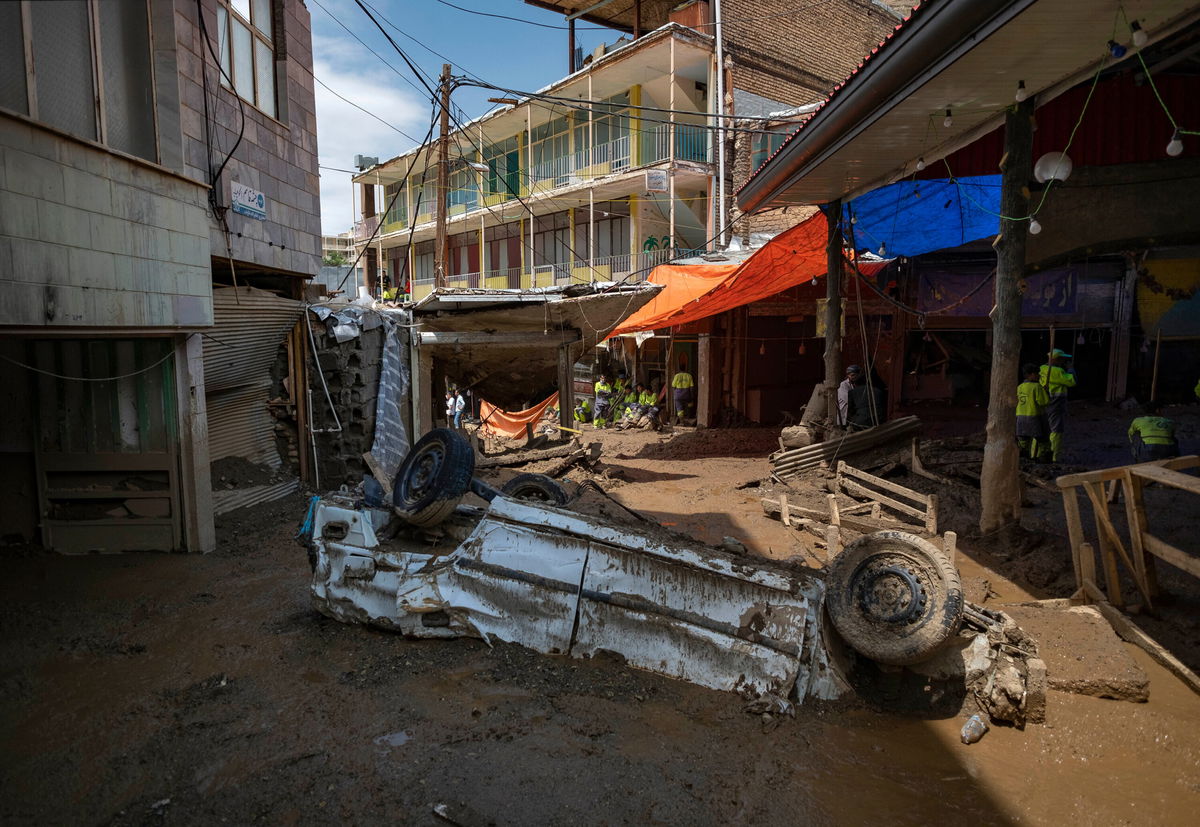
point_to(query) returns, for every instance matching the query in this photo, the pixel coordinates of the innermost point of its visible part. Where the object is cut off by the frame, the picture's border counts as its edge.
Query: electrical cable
(137, 372)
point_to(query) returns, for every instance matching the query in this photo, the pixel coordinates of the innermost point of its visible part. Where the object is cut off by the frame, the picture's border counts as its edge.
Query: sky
(512, 54)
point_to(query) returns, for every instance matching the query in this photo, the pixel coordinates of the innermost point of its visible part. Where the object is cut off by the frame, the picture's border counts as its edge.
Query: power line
(364, 110)
(520, 19)
(349, 31)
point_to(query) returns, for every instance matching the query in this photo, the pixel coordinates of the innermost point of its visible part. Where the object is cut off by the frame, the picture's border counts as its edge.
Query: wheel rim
(423, 472)
(892, 590)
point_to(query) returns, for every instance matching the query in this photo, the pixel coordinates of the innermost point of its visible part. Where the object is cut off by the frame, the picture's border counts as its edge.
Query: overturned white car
(561, 581)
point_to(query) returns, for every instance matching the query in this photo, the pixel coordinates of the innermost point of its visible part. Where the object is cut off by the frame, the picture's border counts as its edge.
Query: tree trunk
(833, 309)
(999, 482)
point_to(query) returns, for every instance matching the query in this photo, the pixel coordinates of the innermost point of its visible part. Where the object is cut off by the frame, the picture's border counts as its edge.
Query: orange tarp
(792, 257)
(512, 424)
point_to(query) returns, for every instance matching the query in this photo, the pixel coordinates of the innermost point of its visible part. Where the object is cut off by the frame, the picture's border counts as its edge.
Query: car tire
(894, 598)
(535, 487)
(433, 478)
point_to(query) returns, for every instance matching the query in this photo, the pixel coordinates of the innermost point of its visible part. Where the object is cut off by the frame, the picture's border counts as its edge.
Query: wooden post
(999, 481)
(441, 248)
(785, 513)
(833, 308)
(950, 544)
(570, 45)
(566, 387)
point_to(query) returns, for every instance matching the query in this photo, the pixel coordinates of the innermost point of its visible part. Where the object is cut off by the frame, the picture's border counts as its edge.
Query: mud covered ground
(149, 689)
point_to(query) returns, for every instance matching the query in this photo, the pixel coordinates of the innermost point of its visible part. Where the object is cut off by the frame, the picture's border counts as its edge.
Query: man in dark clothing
(866, 402)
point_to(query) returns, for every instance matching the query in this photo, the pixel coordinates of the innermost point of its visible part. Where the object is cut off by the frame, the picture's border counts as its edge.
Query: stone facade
(352, 372)
(276, 156)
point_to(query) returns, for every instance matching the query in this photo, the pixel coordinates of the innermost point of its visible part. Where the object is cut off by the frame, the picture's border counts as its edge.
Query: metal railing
(630, 267)
(365, 227)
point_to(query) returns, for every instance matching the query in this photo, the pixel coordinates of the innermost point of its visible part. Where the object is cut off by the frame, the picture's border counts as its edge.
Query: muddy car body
(568, 583)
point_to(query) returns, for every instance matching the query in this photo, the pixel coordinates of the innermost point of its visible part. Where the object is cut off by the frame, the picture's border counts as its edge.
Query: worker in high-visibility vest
(1057, 378)
(683, 386)
(1152, 435)
(1033, 426)
(603, 391)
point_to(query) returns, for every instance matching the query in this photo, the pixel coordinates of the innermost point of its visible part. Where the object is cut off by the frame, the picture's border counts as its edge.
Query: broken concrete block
(1082, 653)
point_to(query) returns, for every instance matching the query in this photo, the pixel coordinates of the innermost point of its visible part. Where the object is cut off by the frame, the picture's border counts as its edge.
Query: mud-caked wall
(351, 370)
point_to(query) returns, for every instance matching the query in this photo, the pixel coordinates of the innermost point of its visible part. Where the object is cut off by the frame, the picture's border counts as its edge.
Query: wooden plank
(1129, 631)
(1093, 591)
(1176, 557)
(835, 516)
(950, 544)
(886, 485)
(1074, 528)
(931, 515)
(1087, 563)
(867, 507)
(833, 541)
(1166, 476)
(863, 491)
(918, 467)
(1107, 531)
(860, 524)
(785, 514)
(1117, 472)
(1135, 515)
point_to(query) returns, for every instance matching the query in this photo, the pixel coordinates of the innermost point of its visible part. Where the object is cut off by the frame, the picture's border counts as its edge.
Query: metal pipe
(720, 123)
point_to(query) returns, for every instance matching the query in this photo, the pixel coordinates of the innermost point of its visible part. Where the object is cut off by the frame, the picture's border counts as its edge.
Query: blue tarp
(910, 218)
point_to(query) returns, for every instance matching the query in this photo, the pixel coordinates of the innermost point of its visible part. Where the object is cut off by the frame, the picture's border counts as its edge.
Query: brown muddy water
(148, 689)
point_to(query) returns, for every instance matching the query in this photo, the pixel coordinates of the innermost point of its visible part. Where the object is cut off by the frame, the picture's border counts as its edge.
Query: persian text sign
(247, 202)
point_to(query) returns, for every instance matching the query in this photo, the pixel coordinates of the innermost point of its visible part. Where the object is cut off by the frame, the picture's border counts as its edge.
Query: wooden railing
(1138, 556)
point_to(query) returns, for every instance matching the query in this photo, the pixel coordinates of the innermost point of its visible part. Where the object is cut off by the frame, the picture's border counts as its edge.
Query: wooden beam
(515, 338)
(1118, 472)
(833, 305)
(1174, 556)
(880, 482)
(1129, 631)
(1074, 528)
(1167, 476)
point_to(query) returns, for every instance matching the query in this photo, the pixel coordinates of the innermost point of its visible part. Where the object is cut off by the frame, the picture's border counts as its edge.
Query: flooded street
(175, 689)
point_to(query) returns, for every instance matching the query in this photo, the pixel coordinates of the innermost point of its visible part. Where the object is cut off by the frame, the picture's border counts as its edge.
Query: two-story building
(150, 154)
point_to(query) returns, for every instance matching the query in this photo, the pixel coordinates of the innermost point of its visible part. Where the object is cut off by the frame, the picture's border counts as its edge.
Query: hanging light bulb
(948, 121)
(1139, 34)
(854, 219)
(1145, 345)
(762, 349)
(883, 249)
(802, 349)
(1081, 340)
(1034, 226)
(920, 164)
(927, 337)
(1175, 145)
(1022, 92)
(1116, 49)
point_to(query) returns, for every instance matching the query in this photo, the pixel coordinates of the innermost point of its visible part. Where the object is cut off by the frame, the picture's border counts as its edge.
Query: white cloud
(344, 131)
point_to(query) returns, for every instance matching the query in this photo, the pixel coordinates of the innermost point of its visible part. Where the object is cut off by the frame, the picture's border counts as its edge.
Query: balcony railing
(365, 228)
(630, 267)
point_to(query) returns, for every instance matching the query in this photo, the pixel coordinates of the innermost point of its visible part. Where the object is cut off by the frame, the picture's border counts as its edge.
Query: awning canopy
(694, 292)
(965, 56)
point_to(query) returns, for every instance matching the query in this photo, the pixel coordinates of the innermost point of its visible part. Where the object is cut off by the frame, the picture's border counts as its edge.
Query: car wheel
(894, 597)
(433, 478)
(536, 487)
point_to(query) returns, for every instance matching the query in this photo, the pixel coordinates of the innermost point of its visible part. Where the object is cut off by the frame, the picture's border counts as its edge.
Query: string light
(1116, 49)
(1139, 34)
(1022, 92)
(1034, 226)
(802, 349)
(948, 121)
(920, 164)
(1175, 145)
(762, 349)
(1081, 340)
(882, 250)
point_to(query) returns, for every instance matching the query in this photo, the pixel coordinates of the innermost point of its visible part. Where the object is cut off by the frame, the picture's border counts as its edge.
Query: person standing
(1033, 426)
(1152, 435)
(853, 374)
(683, 387)
(460, 404)
(449, 407)
(1057, 378)
(602, 390)
(866, 402)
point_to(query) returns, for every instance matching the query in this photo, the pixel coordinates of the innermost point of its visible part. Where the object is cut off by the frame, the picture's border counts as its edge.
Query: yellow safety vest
(682, 380)
(1032, 399)
(1059, 380)
(1154, 430)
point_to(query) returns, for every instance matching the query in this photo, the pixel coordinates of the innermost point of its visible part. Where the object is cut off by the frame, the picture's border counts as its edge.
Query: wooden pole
(999, 481)
(1154, 374)
(833, 309)
(1049, 357)
(441, 250)
(570, 45)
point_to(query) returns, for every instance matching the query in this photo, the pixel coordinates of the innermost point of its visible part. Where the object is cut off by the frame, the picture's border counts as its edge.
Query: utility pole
(999, 482)
(441, 251)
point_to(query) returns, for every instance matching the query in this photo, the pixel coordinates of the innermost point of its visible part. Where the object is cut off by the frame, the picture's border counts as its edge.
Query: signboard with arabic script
(247, 202)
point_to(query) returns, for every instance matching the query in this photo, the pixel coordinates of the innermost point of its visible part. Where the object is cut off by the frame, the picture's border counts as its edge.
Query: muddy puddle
(168, 689)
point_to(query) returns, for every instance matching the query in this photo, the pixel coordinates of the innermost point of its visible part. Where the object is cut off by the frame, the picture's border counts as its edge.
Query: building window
(247, 47)
(92, 75)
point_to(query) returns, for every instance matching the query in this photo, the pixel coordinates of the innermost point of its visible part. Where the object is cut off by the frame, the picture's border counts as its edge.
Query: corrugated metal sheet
(225, 501)
(249, 327)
